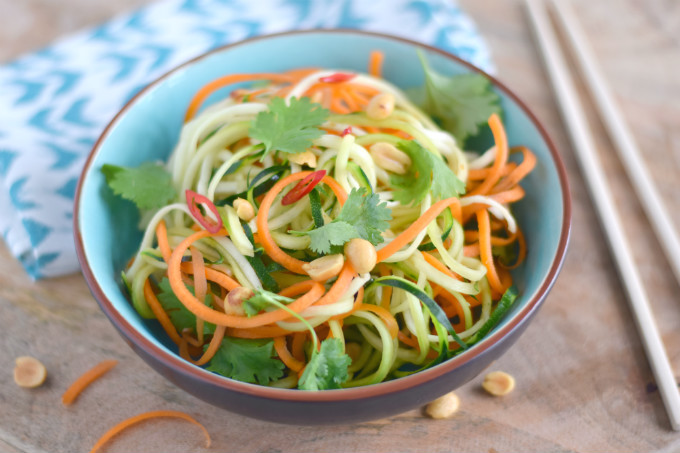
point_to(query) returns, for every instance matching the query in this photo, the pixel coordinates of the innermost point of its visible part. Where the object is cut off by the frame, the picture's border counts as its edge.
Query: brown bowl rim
(175, 362)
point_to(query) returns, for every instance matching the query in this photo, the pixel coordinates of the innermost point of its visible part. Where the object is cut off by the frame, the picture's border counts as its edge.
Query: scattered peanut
(361, 254)
(443, 407)
(244, 210)
(387, 156)
(29, 372)
(498, 383)
(353, 350)
(304, 158)
(234, 301)
(380, 106)
(321, 269)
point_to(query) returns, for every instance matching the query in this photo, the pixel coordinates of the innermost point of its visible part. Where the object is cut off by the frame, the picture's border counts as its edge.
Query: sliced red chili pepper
(303, 187)
(193, 200)
(348, 130)
(337, 77)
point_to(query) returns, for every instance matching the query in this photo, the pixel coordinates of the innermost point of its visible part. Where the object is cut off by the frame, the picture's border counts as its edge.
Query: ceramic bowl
(106, 232)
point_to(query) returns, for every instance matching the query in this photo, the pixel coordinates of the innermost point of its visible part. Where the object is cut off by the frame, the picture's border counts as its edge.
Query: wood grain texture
(583, 383)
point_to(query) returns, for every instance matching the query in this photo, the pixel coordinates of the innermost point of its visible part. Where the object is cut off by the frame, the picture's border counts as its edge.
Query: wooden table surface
(583, 383)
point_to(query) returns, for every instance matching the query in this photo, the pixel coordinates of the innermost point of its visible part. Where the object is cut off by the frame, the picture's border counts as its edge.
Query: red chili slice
(347, 130)
(337, 77)
(193, 200)
(303, 187)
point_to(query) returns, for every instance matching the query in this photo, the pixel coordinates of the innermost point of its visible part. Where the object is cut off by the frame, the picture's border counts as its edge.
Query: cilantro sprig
(247, 360)
(460, 103)
(289, 128)
(427, 173)
(149, 186)
(327, 368)
(362, 216)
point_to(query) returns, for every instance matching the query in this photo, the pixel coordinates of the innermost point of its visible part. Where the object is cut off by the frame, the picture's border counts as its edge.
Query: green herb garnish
(289, 128)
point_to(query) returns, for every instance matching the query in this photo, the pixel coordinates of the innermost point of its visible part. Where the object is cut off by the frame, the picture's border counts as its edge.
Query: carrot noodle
(200, 285)
(160, 314)
(375, 63)
(285, 355)
(208, 89)
(85, 380)
(501, 156)
(386, 290)
(122, 426)
(416, 227)
(386, 316)
(458, 249)
(434, 262)
(162, 237)
(270, 247)
(298, 345)
(485, 251)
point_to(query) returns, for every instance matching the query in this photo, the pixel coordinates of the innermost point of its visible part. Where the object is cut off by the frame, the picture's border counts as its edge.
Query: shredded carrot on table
(122, 426)
(85, 380)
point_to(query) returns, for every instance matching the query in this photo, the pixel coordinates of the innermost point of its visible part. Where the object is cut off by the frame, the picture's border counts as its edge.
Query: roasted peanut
(388, 157)
(304, 158)
(234, 301)
(361, 254)
(443, 407)
(380, 106)
(244, 210)
(29, 372)
(321, 269)
(498, 383)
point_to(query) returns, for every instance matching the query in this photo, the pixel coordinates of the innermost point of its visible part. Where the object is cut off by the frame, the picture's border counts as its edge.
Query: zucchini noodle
(418, 289)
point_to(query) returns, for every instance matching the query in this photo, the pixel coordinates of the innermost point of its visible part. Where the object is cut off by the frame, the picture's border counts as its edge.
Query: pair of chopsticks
(583, 143)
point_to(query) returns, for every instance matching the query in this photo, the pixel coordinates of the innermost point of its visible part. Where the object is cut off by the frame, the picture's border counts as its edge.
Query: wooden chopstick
(585, 151)
(628, 151)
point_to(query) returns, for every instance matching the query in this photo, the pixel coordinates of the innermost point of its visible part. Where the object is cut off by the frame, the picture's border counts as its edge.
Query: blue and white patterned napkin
(54, 103)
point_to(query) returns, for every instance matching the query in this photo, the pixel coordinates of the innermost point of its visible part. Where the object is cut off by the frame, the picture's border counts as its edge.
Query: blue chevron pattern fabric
(53, 107)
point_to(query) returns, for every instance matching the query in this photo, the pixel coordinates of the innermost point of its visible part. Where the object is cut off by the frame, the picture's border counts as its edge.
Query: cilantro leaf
(149, 186)
(362, 216)
(369, 216)
(460, 103)
(289, 128)
(427, 172)
(328, 367)
(333, 233)
(263, 299)
(180, 317)
(247, 360)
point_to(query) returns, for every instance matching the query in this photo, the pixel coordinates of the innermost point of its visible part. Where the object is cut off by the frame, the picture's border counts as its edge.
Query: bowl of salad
(324, 226)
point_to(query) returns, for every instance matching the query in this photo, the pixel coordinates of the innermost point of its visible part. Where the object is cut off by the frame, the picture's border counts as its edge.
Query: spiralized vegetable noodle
(318, 230)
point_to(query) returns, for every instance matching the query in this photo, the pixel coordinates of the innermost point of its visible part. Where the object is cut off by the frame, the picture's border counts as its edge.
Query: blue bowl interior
(151, 123)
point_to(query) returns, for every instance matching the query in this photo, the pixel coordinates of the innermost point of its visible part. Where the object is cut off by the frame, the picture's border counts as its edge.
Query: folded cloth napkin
(55, 102)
